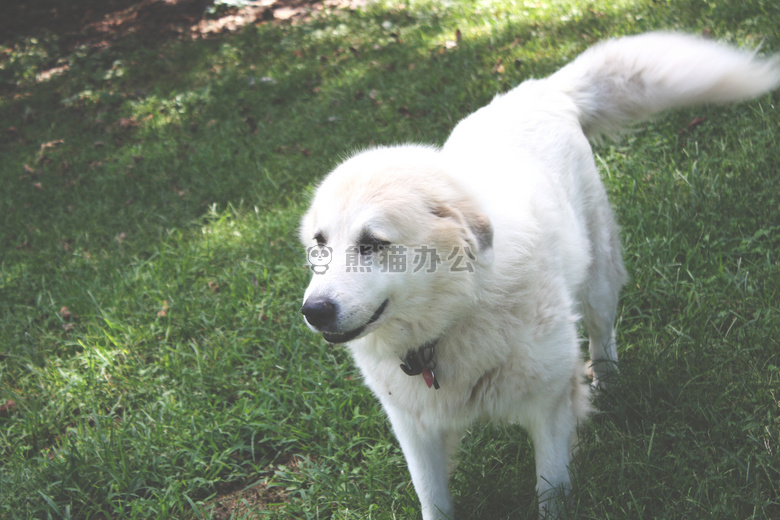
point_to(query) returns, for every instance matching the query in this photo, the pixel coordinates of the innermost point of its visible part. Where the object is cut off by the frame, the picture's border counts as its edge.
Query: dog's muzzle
(322, 314)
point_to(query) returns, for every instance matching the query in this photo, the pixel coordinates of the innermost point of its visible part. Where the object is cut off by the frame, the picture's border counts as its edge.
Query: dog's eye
(369, 244)
(320, 238)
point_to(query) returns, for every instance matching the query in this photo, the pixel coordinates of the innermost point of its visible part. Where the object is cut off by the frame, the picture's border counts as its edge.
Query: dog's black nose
(320, 312)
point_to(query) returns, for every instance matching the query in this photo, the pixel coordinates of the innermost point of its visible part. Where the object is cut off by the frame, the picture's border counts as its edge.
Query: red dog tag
(430, 378)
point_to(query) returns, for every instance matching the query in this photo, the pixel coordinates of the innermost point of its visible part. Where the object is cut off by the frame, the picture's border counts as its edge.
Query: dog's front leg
(553, 439)
(426, 455)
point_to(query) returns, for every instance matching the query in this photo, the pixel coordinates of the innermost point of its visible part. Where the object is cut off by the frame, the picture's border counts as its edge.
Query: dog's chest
(457, 399)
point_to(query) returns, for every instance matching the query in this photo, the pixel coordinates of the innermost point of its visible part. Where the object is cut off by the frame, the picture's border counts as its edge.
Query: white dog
(470, 265)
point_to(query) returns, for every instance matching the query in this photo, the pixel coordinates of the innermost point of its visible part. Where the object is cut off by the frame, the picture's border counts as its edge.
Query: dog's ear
(476, 228)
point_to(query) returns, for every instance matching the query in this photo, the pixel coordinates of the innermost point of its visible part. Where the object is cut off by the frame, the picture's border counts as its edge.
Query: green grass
(150, 278)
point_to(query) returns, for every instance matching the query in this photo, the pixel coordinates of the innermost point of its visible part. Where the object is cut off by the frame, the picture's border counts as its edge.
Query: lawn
(153, 361)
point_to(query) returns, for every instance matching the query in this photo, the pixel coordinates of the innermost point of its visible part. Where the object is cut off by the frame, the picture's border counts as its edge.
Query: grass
(152, 358)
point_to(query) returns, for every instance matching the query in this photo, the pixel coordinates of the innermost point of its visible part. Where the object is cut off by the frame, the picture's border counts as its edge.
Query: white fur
(516, 184)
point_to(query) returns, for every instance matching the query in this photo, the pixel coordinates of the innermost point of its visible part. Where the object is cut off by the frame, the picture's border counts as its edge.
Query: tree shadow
(101, 23)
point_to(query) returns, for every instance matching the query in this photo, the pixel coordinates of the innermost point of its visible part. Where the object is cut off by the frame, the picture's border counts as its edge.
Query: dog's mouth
(343, 337)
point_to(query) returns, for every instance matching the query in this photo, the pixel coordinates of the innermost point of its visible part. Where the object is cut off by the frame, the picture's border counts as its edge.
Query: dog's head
(406, 243)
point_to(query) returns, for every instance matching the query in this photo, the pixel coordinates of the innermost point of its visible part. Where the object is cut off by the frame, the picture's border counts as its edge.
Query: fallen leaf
(126, 122)
(164, 311)
(599, 14)
(7, 407)
(451, 44)
(214, 287)
(693, 124)
(121, 237)
(52, 144)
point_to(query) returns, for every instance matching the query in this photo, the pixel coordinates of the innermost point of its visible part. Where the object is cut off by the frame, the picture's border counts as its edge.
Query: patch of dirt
(243, 502)
(245, 499)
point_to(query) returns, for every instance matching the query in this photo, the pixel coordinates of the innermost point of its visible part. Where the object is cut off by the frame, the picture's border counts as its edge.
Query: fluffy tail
(622, 80)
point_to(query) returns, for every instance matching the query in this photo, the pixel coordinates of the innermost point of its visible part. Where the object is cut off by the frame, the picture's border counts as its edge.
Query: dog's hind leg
(600, 298)
(599, 322)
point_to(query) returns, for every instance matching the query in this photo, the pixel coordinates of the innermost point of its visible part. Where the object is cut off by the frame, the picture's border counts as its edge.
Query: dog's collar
(420, 361)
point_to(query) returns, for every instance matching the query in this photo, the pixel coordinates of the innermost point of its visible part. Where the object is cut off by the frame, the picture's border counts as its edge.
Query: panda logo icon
(319, 257)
